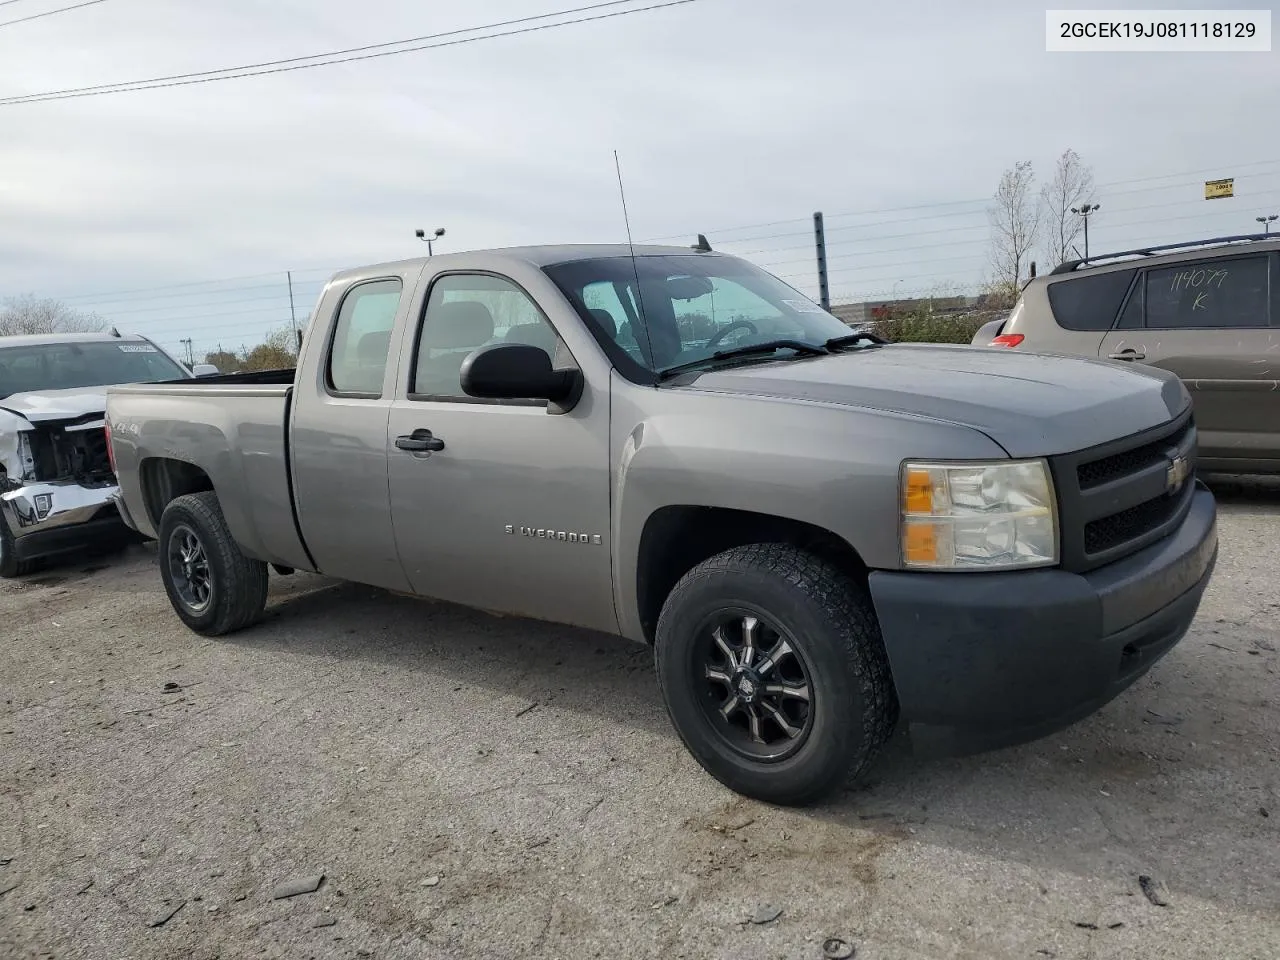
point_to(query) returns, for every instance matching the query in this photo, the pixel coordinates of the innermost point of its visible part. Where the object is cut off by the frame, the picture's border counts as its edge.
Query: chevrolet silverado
(819, 533)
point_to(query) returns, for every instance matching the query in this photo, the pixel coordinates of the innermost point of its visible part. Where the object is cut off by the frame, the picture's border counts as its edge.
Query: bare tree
(1015, 222)
(1071, 186)
(31, 315)
(278, 351)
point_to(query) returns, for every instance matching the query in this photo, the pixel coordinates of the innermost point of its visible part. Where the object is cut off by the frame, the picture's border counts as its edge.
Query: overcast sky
(895, 119)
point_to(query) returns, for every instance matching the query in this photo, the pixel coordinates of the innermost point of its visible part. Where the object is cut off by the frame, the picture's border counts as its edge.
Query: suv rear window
(1089, 302)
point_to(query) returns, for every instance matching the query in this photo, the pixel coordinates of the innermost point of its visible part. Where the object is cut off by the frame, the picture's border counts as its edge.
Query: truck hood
(39, 406)
(1033, 405)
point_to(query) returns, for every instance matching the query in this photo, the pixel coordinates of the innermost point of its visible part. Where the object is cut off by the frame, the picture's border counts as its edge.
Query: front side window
(687, 308)
(362, 337)
(71, 365)
(1221, 293)
(469, 311)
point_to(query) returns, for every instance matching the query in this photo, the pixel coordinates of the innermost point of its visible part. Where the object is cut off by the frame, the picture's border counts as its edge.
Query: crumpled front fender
(15, 454)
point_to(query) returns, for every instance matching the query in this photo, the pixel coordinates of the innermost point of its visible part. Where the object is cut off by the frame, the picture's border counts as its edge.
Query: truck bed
(235, 428)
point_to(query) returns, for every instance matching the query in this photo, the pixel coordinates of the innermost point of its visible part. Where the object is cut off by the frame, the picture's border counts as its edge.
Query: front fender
(831, 466)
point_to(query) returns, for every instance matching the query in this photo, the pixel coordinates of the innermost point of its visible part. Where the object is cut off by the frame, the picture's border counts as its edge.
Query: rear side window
(1209, 293)
(1089, 302)
(362, 338)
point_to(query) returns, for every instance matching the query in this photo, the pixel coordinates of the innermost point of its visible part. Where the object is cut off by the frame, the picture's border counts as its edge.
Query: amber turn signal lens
(918, 493)
(922, 543)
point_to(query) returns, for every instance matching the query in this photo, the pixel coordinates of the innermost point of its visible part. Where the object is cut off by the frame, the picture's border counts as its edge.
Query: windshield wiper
(861, 340)
(747, 350)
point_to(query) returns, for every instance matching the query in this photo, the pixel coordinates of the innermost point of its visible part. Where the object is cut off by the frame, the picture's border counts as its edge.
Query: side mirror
(204, 370)
(516, 371)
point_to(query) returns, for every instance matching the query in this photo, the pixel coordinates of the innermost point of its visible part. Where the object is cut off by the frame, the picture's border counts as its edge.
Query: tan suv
(1208, 311)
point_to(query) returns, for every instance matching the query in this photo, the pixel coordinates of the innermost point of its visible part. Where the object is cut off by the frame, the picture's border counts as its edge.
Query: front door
(1210, 322)
(511, 514)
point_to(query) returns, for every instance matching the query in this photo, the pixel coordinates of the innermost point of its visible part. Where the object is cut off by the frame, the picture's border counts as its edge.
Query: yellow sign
(1216, 189)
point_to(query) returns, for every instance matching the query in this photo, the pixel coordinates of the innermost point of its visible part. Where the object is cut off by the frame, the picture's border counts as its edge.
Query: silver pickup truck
(819, 533)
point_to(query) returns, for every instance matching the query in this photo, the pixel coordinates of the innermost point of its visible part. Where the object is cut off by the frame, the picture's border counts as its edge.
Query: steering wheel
(721, 334)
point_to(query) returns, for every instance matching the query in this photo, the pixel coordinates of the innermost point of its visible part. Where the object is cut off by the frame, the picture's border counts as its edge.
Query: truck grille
(1116, 499)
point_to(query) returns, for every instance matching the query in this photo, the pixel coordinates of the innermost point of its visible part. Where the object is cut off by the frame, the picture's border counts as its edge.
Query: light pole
(422, 235)
(1084, 210)
(1267, 221)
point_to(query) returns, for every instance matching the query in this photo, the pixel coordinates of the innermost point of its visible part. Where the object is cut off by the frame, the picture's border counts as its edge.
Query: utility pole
(190, 358)
(1084, 210)
(293, 316)
(820, 242)
(1267, 221)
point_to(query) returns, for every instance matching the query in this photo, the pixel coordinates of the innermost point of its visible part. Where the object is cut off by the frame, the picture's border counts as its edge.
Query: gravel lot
(471, 786)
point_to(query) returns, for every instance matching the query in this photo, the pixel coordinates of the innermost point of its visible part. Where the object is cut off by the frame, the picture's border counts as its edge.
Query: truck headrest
(463, 323)
(605, 319)
(373, 347)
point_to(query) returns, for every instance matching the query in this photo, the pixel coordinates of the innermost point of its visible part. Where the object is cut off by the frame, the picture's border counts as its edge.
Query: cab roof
(539, 256)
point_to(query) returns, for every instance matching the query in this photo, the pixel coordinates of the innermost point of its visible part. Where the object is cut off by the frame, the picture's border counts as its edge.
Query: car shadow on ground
(1127, 791)
(1246, 490)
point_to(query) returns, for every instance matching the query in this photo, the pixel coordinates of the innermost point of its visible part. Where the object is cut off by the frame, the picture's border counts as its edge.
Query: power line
(921, 233)
(198, 289)
(332, 53)
(956, 203)
(279, 288)
(347, 55)
(197, 283)
(50, 13)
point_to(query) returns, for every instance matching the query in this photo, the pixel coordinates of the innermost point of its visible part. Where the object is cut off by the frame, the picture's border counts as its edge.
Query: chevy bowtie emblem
(1176, 475)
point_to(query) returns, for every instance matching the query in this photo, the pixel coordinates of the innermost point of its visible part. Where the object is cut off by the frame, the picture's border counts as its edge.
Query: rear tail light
(111, 457)
(1007, 340)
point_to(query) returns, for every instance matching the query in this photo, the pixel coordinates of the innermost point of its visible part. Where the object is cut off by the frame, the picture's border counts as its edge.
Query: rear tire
(10, 565)
(214, 588)
(820, 689)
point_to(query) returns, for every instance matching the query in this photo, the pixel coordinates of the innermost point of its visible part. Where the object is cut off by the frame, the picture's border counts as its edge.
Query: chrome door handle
(1127, 355)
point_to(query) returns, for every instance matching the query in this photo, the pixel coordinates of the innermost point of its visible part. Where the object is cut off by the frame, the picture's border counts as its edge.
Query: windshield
(688, 308)
(69, 365)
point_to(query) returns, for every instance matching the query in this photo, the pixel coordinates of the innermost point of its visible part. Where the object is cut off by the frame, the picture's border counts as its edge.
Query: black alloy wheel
(755, 686)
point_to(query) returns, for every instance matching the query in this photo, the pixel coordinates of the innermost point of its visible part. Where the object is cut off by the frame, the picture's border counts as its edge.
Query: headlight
(978, 516)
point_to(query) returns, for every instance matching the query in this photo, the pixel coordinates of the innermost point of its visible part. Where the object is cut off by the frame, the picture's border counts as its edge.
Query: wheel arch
(164, 479)
(676, 538)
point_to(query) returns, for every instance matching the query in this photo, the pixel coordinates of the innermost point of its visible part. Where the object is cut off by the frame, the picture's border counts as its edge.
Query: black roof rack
(1067, 266)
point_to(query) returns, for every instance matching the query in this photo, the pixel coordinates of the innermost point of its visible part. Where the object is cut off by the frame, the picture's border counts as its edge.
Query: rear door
(338, 438)
(1213, 323)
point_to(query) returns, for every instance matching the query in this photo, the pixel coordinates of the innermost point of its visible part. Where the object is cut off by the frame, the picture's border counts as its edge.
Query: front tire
(214, 588)
(10, 565)
(773, 672)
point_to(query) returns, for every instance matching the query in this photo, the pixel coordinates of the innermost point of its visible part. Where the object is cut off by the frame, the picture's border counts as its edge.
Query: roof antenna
(114, 332)
(702, 246)
(644, 320)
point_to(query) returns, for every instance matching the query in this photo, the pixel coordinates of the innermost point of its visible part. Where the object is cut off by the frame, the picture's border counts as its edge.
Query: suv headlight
(978, 516)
